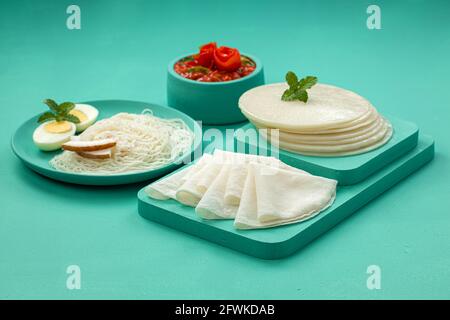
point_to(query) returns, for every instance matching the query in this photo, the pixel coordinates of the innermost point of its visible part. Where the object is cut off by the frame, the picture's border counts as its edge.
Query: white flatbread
(167, 187)
(281, 198)
(235, 158)
(256, 191)
(328, 107)
(357, 124)
(204, 159)
(374, 146)
(380, 127)
(235, 184)
(212, 204)
(207, 175)
(337, 148)
(221, 200)
(354, 143)
(192, 190)
(340, 137)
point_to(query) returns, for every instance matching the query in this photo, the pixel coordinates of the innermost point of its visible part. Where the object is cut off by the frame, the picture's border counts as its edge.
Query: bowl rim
(172, 72)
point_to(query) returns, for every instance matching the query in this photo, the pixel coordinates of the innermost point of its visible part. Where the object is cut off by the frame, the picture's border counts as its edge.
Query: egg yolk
(58, 127)
(79, 114)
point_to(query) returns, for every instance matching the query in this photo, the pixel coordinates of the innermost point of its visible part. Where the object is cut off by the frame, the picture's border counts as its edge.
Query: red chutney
(215, 64)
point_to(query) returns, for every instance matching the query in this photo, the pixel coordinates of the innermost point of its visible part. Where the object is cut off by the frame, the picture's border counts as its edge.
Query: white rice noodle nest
(144, 142)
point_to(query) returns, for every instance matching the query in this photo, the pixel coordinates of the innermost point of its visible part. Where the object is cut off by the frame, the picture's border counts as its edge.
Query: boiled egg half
(87, 115)
(52, 134)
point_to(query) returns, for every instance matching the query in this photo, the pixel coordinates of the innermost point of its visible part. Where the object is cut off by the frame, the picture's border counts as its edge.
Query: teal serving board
(279, 242)
(348, 169)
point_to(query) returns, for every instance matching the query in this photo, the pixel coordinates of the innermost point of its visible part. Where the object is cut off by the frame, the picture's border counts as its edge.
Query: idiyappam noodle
(144, 142)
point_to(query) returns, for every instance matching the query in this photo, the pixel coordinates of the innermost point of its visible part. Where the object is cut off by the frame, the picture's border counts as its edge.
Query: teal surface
(122, 52)
(211, 102)
(282, 241)
(23, 146)
(346, 170)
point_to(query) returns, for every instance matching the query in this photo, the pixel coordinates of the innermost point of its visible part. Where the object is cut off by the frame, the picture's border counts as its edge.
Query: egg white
(91, 114)
(48, 141)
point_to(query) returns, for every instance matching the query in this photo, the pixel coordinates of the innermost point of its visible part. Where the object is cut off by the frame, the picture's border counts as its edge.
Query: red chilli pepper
(205, 57)
(227, 59)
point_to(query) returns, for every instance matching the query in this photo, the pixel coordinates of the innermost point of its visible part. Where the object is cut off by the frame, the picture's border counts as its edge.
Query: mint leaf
(291, 79)
(71, 118)
(297, 89)
(307, 83)
(288, 95)
(302, 95)
(46, 116)
(58, 112)
(51, 104)
(65, 107)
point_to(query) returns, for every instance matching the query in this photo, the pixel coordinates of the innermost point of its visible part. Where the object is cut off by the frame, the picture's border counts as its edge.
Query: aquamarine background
(121, 52)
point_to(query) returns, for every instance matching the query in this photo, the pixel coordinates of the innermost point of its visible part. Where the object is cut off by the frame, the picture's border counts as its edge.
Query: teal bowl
(213, 103)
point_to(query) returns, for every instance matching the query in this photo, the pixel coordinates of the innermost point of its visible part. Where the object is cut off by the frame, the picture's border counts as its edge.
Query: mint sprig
(58, 112)
(297, 89)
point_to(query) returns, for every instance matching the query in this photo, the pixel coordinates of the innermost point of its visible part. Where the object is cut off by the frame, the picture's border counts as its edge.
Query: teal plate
(282, 241)
(37, 160)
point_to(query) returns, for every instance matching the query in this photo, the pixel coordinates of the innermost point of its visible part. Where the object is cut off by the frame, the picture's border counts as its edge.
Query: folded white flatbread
(167, 187)
(256, 191)
(221, 200)
(281, 198)
(212, 204)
